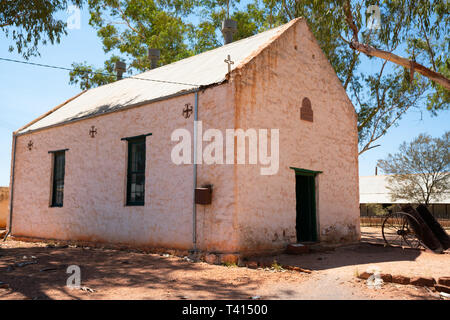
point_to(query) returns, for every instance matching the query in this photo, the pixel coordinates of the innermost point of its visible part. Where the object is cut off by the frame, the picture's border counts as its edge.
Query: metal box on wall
(203, 195)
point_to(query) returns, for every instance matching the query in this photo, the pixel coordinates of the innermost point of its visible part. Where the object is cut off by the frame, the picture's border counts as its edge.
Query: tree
(382, 94)
(129, 28)
(406, 12)
(420, 171)
(381, 97)
(30, 23)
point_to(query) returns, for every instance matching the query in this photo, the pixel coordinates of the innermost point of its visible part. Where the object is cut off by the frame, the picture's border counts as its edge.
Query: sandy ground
(116, 274)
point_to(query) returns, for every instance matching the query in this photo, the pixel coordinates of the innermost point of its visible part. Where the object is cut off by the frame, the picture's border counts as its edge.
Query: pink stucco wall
(269, 93)
(216, 223)
(95, 181)
(249, 212)
(4, 206)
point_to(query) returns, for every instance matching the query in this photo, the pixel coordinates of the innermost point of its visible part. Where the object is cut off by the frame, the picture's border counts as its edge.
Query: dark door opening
(306, 226)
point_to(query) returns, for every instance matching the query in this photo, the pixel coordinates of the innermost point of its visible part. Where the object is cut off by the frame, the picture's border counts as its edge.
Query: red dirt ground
(120, 274)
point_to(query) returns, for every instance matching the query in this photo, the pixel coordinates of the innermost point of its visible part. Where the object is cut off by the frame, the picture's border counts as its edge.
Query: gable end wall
(269, 94)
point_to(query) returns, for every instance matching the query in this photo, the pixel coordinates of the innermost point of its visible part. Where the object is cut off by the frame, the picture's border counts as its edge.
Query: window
(136, 172)
(59, 161)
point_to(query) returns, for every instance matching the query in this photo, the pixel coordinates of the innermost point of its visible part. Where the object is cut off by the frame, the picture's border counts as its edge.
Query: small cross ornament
(30, 145)
(93, 132)
(187, 111)
(229, 62)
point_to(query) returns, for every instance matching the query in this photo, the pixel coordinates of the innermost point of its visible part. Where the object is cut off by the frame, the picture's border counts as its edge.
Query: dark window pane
(58, 178)
(136, 172)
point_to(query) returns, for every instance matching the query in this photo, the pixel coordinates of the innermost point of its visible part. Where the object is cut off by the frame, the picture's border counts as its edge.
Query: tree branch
(366, 148)
(368, 118)
(430, 50)
(351, 69)
(375, 137)
(128, 22)
(373, 52)
(349, 19)
(286, 9)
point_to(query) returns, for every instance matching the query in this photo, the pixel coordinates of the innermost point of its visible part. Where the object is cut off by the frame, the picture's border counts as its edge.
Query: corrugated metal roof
(201, 70)
(373, 189)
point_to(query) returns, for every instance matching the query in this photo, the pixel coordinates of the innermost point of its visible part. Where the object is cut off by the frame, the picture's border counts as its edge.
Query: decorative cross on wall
(187, 111)
(93, 132)
(229, 62)
(30, 145)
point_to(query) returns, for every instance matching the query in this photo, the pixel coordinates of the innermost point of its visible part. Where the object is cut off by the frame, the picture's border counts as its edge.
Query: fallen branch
(298, 269)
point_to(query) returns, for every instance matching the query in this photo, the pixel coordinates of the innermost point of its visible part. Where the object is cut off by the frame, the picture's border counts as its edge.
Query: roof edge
(247, 60)
(132, 106)
(341, 85)
(48, 113)
(258, 51)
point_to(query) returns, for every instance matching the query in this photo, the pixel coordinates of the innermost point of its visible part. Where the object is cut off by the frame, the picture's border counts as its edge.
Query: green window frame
(136, 171)
(59, 163)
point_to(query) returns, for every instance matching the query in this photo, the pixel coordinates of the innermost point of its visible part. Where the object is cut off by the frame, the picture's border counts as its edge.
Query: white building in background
(373, 190)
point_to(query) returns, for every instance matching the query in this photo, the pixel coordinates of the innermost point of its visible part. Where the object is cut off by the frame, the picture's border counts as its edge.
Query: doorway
(305, 194)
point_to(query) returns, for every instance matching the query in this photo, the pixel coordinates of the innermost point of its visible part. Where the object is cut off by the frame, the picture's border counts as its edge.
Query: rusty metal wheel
(401, 229)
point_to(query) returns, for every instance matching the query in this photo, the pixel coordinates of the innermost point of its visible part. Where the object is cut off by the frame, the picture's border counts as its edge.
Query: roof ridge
(135, 76)
(203, 69)
(231, 44)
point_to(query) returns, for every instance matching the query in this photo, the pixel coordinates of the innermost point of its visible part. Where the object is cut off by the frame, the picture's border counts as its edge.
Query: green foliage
(129, 28)
(420, 171)
(377, 209)
(383, 96)
(422, 29)
(87, 75)
(380, 210)
(30, 23)
(276, 266)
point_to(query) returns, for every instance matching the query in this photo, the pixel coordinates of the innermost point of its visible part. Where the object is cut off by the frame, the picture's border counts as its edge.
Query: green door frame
(313, 236)
(305, 172)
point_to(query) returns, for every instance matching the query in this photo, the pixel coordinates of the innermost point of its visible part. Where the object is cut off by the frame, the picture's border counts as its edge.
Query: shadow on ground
(108, 270)
(357, 254)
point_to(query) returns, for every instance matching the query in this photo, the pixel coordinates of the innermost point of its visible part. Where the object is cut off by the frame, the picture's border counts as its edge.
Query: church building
(242, 149)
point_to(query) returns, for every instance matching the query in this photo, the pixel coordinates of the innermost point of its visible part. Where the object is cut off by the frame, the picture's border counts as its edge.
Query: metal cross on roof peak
(229, 62)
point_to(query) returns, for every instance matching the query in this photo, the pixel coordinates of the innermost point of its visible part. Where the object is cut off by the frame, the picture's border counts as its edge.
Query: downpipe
(194, 205)
(11, 189)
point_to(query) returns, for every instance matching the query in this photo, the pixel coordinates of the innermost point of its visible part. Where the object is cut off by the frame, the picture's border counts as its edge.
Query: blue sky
(27, 91)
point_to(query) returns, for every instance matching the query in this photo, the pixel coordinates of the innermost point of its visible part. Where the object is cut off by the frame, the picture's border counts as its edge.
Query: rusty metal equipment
(415, 228)
(401, 228)
(434, 226)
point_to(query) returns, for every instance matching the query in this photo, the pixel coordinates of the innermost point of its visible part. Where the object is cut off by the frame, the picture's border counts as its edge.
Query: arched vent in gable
(306, 112)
